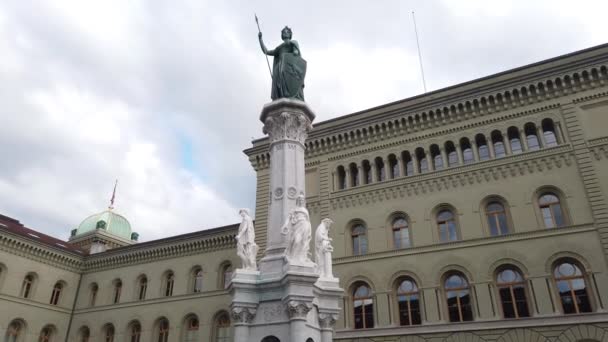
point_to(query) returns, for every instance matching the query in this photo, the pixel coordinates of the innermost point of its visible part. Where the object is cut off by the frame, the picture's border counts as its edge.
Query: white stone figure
(298, 231)
(323, 249)
(246, 248)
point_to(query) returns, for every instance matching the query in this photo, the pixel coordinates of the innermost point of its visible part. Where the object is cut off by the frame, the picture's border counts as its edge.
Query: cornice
(159, 300)
(440, 110)
(17, 245)
(444, 246)
(31, 303)
(460, 176)
(166, 250)
(500, 327)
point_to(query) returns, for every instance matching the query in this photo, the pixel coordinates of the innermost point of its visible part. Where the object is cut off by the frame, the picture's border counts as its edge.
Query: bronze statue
(288, 67)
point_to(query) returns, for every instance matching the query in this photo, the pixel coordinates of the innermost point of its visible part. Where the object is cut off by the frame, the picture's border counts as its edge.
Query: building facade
(476, 212)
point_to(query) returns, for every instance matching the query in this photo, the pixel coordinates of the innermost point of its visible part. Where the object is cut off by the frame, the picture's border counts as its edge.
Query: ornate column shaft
(475, 150)
(287, 123)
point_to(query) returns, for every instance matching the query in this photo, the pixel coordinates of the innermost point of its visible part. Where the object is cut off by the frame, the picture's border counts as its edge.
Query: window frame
(438, 223)
(398, 294)
(488, 215)
(27, 286)
(550, 206)
(446, 290)
(510, 285)
(572, 290)
(357, 237)
(354, 299)
(400, 229)
(56, 293)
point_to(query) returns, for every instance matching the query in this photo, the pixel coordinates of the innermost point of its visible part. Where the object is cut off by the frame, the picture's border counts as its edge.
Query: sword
(260, 31)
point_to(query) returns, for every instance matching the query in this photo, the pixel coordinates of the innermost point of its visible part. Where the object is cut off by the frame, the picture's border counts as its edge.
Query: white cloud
(97, 90)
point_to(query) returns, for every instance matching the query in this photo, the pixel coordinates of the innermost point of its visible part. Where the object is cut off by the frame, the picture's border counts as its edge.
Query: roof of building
(13, 226)
(112, 222)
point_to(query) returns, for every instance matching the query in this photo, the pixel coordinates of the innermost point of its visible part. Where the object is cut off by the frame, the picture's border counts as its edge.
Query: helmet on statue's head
(286, 33)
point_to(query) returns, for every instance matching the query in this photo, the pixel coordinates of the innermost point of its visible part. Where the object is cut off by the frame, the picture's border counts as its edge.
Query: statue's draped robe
(246, 247)
(279, 87)
(298, 239)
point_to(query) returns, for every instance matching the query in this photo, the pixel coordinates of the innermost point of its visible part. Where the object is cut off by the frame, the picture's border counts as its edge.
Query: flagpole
(113, 196)
(419, 54)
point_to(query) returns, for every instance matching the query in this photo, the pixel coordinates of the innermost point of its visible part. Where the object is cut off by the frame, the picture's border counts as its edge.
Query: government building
(477, 212)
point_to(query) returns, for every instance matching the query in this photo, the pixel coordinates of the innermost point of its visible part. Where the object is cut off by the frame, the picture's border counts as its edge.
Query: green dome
(109, 221)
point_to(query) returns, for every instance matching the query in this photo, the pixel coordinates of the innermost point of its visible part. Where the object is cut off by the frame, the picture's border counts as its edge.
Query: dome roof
(110, 221)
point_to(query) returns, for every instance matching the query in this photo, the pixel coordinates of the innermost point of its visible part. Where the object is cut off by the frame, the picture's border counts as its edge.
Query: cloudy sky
(165, 95)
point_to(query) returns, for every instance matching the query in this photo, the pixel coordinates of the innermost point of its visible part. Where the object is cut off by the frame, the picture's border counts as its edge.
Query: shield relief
(293, 71)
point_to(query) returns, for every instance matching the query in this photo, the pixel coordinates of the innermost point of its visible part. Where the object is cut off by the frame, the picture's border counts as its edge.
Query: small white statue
(298, 231)
(246, 248)
(323, 249)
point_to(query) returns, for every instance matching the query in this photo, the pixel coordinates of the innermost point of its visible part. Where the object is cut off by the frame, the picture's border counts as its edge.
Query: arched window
(56, 294)
(512, 291)
(108, 333)
(27, 286)
(514, 141)
(549, 133)
(450, 150)
(221, 328)
(436, 157)
(191, 326)
(46, 334)
(354, 174)
(409, 163)
(117, 291)
(85, 334)
(497, 219)
(482, 147)
(572, 287)
(363, 306)
(135, 332)
(162, 332)
(393, 166)
(359, 237)
(551, 210)
(381, 173)
(422, 160)
(401, 233)
(408, 302)
(531, 137)
(226, 275)
(458, 296)
(142, 287)
(15, 332)
(197, 280)
(168, 284)
(341, 178)
(93, 295)
(367, 172)
(499, 146)
(446, 224)
(467, 152)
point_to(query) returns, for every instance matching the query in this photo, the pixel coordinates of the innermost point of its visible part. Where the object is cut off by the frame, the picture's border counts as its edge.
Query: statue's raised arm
(288, 67)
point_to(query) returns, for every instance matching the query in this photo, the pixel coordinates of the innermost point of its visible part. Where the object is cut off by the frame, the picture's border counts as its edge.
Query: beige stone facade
(437, 200)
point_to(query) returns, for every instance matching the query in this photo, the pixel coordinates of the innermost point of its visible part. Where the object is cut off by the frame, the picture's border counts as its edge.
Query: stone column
(327, 321)
(541, 136)
(459, 154)
(475, 150)
(297, 312)
(416, 165)
(401, 166)
(558, 133)
(444, 157)
(507, 143)
(287, 123)
(491, 148)
(429, 160)
(387, 169)
(349, 178)
(361, 175)
(241, 318)
(523, 139)
(374, 170)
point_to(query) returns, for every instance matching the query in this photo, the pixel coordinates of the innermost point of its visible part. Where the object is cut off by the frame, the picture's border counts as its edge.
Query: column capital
(243, 314)
(327, 320)
(298, 309)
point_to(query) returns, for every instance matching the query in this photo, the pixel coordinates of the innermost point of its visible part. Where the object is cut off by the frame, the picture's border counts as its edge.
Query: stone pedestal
(284, 300)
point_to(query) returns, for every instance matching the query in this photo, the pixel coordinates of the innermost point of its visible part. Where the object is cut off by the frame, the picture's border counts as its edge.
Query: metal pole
(260, 31)
(419, 54)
